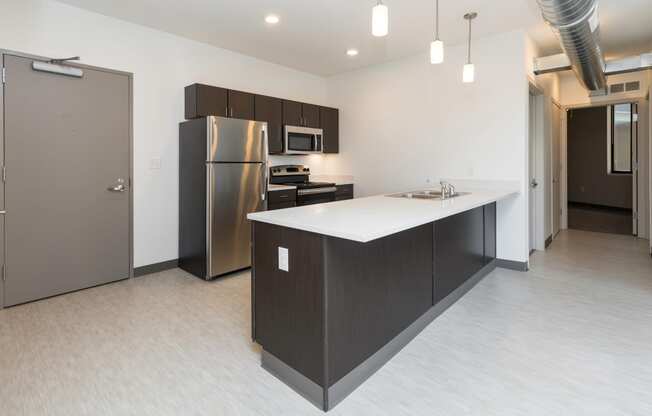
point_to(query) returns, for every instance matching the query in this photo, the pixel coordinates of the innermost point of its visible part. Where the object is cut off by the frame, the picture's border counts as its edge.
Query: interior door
(67, 158)
(556, 169)
(234, 190)
(634, 139)
(532, 172)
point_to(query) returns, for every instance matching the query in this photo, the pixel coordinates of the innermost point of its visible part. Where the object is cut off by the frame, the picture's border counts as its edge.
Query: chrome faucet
(447, 190)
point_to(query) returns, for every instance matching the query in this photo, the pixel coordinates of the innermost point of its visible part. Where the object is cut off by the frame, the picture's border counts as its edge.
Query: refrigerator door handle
(264, 187)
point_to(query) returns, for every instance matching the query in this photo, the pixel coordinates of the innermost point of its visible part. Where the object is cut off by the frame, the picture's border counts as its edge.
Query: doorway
(66, 177)
(602, 175)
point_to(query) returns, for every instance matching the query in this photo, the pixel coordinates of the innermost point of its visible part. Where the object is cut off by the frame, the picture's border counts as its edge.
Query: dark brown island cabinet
(205, 100)
(344, 308)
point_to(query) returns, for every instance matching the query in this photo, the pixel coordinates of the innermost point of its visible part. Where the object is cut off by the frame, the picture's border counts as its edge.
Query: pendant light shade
(468, 74)
(380, 20)
(436, 46)
(436, 52)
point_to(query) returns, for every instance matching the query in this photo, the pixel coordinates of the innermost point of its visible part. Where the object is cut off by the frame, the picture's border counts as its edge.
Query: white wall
(162, 65)
(407, 123)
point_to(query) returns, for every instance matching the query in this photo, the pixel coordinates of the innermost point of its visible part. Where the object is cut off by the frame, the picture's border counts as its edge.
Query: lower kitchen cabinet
(459, 250)
(283, 198)
(344, 192)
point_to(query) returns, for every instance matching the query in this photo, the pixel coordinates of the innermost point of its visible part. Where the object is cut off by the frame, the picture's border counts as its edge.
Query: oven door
(315, 195)
(302, 140)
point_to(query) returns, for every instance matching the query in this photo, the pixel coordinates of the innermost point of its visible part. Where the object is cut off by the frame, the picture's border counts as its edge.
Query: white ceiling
(313, 35)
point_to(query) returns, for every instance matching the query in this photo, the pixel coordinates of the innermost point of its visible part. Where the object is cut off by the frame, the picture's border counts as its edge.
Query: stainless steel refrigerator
(222, 178)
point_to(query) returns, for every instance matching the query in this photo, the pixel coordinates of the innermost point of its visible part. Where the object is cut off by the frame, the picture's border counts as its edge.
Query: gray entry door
(67, 141)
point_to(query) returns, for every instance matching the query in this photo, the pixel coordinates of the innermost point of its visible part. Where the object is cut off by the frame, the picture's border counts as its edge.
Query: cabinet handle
(227, 111)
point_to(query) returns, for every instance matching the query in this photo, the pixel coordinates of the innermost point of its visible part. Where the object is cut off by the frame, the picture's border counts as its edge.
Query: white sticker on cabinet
(283, 259)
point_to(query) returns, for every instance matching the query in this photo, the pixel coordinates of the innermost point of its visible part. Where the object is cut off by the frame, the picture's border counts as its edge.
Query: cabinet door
(330, 123)
(241, 105)
(270, 109)
(489, 232)
(311, 116)
(205, 100)
(292, 113)
(343, 192)
(459, 250)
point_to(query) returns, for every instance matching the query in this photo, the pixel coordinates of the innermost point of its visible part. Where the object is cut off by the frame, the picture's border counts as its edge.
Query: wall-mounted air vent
(616, 88)
(632, 86)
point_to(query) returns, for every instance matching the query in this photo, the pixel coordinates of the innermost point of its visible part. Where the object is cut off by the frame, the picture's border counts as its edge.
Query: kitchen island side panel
(459, 250)
(289, 304)
(374, 291)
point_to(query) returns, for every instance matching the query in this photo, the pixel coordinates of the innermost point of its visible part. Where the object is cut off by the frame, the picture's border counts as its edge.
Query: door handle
(119, 187)
(534, 183)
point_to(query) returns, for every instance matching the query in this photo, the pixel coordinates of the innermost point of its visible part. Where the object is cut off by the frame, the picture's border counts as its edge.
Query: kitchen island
(339, 288)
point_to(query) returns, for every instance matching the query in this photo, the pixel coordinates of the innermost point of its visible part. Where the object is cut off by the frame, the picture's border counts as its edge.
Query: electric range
(299, 176)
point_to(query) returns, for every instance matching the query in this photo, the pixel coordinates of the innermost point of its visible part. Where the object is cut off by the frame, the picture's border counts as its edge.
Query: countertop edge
(386, 232)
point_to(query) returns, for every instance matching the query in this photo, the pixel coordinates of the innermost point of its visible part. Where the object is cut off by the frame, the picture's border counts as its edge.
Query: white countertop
(366, 219)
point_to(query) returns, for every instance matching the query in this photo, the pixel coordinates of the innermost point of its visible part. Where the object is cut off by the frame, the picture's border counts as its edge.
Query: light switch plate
(283, 259)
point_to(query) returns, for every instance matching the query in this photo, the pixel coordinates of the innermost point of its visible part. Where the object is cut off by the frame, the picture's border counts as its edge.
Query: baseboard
(519, 266)
(156, 267)
(548, 240)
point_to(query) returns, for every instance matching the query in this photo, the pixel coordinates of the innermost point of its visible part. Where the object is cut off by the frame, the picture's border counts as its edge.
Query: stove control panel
(290, 170)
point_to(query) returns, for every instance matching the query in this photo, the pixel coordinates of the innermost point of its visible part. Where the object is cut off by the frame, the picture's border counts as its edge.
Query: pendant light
(468, 75)
(436, 46)
(380, 20)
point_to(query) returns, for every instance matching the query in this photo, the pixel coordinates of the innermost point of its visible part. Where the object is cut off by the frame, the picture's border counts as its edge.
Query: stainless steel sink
(424, 195)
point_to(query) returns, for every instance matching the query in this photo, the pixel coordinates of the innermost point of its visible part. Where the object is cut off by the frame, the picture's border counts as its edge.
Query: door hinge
(4, 75)
(3, 273)
(4, 174)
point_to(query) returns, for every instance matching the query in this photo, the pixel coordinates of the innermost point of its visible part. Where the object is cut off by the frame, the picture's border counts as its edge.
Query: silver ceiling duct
(576, 24)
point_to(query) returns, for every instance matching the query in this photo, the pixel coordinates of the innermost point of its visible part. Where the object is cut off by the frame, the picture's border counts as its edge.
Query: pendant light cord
(468, 57)
(436, 19)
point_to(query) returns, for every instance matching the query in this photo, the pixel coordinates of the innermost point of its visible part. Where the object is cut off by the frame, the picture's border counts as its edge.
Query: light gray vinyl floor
(571, 337)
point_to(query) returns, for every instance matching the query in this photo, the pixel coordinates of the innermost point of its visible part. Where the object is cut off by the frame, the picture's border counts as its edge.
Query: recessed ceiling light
(352, 52)
(272, 19)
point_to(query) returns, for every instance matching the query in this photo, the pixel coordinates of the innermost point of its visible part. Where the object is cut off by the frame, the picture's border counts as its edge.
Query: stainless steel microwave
(303, 140)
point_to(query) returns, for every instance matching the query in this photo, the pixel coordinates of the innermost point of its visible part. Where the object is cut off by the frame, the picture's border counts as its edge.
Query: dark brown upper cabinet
(270, 109)
(292, 113)
(311, 116)
(330, 123)
(241, 105)
(300, 114)
(205, 100)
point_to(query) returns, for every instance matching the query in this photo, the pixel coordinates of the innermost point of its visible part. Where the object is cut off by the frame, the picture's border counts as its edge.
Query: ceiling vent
(624, 87)
(632, 86)
(616, 88)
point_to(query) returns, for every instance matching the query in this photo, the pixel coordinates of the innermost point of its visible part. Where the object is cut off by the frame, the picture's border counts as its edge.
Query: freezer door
(234, 190)
(234, 140)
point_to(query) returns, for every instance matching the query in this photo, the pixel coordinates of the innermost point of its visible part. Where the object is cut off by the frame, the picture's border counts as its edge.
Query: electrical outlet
(283, 259)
